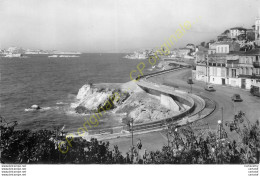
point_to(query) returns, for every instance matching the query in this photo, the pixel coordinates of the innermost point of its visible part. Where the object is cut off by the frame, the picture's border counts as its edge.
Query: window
(233, 74)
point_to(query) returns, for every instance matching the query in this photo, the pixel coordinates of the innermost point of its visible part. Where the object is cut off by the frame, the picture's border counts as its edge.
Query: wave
(41, 110)
(61, 103)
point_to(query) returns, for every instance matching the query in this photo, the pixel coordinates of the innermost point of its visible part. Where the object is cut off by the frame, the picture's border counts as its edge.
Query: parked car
(236, 97)
(210, 88)
(255, 91)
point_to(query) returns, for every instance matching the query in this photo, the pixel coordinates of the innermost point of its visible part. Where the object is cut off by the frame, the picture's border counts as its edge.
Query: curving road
(222, 96)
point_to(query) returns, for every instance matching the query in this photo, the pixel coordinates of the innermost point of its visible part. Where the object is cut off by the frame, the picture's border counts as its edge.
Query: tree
(203, 44)
(187, 145)
(26, 146)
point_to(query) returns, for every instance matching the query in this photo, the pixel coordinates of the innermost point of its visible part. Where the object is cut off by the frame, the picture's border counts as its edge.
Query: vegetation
(185, 146)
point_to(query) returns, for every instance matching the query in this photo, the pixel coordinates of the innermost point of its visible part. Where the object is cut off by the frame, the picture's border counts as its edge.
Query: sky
(117, 25)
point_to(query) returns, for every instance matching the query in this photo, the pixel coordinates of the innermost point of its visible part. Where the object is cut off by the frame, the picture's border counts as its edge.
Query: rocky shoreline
(125, 98)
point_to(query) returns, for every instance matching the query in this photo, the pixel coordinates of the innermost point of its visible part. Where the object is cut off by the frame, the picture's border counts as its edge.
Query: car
(236, 97)
(210, 88)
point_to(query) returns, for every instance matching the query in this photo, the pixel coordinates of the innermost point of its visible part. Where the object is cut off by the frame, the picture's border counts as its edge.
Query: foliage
(187, 145)
(25, 146)
(203, 44)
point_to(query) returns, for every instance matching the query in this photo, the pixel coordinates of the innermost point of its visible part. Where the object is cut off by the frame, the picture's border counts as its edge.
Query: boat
(53, 56)
(12, 55)
(68, 56)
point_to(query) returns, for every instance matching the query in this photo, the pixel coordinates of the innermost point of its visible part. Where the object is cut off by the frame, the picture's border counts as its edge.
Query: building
(236, 69)
(236, 31)
(191, 46)
(223, 37)
(183, 52)
(15, 50)
(201, 53)
(250, 34)
(249, 69)
(257, 31)
(223, 47)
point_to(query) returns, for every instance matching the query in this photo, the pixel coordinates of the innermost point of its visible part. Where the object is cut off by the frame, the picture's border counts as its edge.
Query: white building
(257, 31)
(236, 31)
(223, 47)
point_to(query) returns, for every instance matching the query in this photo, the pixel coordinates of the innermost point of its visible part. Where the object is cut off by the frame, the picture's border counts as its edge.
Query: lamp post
(219, 141)
(219, 128)
(131, 125)
(167, 130)
(207, 70)
(190, 82)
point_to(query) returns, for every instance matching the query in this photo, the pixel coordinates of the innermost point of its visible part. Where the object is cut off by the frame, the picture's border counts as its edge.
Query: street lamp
(132, 130)
(190, 82)
(219, 128)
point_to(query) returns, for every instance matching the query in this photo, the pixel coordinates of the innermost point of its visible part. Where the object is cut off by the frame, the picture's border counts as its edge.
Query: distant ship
(68, 56)
(12, 55)
(53, 56)
(56, 56)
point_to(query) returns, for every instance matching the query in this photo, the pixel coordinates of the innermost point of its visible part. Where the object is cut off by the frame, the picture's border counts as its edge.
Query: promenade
(155, 139)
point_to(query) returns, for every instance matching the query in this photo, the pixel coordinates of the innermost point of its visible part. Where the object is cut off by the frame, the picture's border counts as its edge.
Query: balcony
(256, 64)
(231, 65)
(253, 76)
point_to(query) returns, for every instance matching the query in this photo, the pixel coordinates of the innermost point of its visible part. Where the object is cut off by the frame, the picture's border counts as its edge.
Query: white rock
(91, 98)
(35, 107)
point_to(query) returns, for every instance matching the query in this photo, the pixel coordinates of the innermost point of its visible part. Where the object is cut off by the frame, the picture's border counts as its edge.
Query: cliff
(91, 98)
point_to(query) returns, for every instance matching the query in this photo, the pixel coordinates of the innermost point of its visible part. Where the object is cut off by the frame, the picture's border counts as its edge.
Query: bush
(185, 147)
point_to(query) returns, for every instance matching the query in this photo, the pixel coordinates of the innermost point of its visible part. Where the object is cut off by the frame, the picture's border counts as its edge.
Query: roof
(230, 43)
(253, 52)
(188, 49)
(238, 28)
(202, 48)
(225, 43)
(201, 53)
(233, 61)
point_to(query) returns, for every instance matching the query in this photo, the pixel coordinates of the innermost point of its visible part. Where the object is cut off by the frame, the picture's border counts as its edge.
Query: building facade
(257, 31)
(241, 69)
(236, 31)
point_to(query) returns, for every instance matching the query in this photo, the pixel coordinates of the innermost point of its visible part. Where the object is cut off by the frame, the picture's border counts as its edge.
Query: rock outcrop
(140, 106)
(143, 107)
(91, 98)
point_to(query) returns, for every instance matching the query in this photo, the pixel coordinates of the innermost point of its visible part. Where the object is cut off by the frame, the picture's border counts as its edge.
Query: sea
(53, 83)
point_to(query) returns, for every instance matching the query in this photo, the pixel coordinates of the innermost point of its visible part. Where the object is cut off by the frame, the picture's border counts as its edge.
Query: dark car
(210, 88)
(236, 97)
